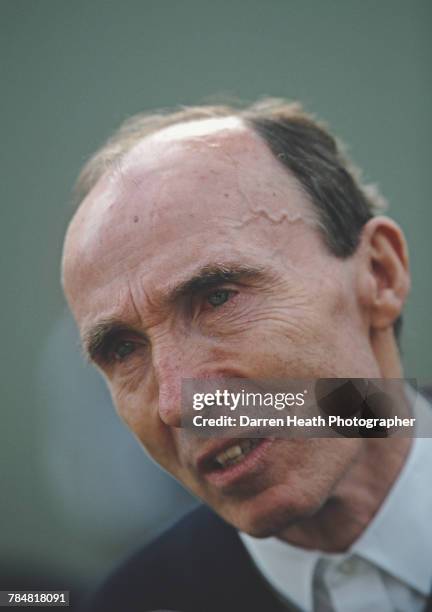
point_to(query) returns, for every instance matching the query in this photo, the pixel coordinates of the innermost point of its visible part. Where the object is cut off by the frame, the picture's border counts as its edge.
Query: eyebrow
(98, 337)
(212, 275)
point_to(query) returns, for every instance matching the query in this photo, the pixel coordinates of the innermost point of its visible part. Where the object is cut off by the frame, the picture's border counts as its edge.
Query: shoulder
(194, 565)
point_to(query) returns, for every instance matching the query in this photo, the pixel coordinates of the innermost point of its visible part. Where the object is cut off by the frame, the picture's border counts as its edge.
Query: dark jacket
(199, 565)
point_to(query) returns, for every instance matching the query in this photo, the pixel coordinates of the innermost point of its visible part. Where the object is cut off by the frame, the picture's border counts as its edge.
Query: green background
(71, 71)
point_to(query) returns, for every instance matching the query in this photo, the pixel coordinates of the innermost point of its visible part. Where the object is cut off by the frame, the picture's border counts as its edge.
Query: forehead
(200, 189)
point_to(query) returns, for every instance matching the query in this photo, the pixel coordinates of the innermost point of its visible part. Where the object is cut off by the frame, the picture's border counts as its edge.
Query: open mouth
(234, 461)
(235, 454)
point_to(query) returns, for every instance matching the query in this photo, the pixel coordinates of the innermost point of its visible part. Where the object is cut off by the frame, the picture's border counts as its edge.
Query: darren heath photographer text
(295, 421)
(279, 401)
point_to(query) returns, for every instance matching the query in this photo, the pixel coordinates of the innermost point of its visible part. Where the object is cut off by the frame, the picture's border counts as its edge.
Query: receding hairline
(195, 136)
(197, 128)
(140, 126)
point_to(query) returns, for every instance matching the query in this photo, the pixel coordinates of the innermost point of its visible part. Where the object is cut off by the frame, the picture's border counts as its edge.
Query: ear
(384, 279)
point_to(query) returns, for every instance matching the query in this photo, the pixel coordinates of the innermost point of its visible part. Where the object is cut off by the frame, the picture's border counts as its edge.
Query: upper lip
(205, 460)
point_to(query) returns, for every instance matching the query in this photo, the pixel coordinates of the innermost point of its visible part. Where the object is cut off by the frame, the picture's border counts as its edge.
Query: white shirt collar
(398, 540)
(287, 568)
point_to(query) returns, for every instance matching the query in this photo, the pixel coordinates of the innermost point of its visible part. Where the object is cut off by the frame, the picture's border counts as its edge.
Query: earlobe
(385, 279)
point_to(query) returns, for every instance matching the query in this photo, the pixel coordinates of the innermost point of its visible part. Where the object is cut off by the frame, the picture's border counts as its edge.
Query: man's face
(207, 201)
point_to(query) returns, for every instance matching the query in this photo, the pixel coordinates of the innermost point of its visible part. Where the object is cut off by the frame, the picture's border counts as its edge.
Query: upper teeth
(234, 454)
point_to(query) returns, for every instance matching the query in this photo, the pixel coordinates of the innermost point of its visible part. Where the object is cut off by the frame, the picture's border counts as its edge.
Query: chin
(272, 511)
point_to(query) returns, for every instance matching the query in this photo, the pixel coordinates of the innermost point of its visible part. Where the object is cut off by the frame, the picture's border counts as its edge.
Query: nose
(170, 367)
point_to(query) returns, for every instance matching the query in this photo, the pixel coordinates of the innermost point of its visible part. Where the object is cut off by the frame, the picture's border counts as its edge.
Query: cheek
(310, 470)
(141, 416)
(131, 406)
(280, 343)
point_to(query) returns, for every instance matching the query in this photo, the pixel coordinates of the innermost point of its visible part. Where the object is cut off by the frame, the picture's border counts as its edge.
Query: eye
(123, 349)
(219, 297)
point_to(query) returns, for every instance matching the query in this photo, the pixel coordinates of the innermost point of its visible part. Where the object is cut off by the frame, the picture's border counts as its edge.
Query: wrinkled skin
(210, 192)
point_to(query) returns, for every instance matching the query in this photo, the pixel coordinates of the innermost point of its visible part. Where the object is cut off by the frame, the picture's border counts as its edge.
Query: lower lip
(237, 472)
